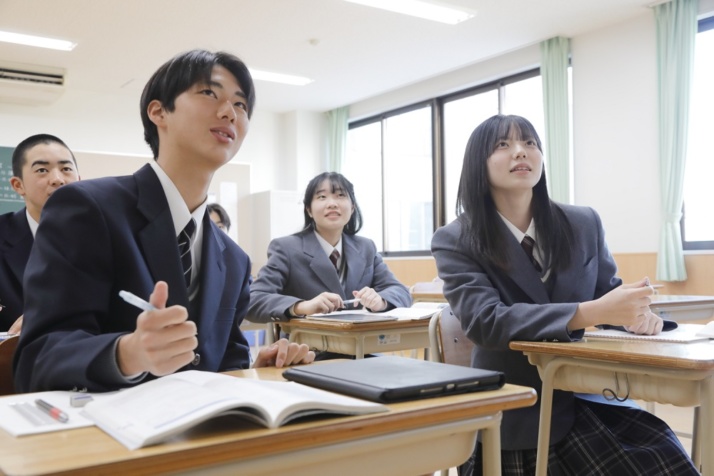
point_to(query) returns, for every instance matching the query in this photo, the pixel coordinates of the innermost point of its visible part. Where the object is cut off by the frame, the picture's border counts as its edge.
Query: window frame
(437, 141)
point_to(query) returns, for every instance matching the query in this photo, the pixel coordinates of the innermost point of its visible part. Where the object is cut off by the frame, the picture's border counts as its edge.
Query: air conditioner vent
(31, 76)
(30, 85)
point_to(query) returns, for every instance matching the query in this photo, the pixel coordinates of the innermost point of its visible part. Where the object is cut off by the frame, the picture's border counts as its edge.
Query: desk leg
(696, 439)
(491, 447)
(359, 350)
(546, 407)
(705, 430)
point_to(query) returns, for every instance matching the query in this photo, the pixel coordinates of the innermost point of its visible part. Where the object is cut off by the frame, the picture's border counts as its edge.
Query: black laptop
(390, 379)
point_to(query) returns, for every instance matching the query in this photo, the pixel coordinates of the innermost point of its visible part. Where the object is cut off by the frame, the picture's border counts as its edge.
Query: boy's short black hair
(19, 155)
(179, 74)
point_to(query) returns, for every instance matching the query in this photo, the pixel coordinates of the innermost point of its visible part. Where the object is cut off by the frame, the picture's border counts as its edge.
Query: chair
(447, 341)
(7, 350)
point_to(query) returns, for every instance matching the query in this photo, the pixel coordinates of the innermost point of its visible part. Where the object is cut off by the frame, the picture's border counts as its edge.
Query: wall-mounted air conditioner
(30, 85)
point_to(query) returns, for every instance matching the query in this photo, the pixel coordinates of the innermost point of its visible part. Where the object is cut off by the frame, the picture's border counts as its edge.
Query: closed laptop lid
(392, 378)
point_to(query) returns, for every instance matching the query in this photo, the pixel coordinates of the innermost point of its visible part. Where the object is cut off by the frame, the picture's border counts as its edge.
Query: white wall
(615, 131)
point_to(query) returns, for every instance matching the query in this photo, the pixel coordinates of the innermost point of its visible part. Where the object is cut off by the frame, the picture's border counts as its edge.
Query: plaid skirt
(604, 440)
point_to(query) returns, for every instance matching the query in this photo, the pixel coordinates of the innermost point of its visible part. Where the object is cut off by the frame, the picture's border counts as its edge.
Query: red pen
(52, 411)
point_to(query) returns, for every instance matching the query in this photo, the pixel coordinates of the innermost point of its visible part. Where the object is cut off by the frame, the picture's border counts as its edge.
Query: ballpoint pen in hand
(135, 300)
(350, 301)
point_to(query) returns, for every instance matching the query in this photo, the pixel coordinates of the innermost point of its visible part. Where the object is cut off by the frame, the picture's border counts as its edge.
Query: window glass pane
(363, 167)
(698, 222)
(525, 98)
(461, 117)
(408, 189)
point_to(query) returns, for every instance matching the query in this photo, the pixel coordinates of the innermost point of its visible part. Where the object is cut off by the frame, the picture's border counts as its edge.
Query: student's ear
(17, 185)
(155, 111)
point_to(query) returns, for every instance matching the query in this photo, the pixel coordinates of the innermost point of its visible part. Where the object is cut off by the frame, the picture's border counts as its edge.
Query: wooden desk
(678, 374)
(359, 338)
(683, 308)
(412, 438)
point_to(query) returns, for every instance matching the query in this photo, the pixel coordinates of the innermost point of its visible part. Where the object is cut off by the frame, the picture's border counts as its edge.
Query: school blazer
(15, 245)
(298, 269)
(98, 237)
(496, 307)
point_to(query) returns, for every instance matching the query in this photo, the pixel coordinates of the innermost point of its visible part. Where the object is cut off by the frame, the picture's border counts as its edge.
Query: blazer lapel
(566, 281)
(356, 264)
(213, 275)
(321, 265)
(157, 238)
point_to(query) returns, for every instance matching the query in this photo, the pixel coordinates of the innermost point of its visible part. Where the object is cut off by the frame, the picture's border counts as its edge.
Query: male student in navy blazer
(41, 164)
(78, 332)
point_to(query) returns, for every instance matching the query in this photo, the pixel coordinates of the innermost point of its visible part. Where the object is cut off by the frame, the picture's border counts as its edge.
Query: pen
(52, 411)
(351, 301)
(135, 300)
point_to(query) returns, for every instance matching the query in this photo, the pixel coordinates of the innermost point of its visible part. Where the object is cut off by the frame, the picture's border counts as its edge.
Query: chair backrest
(7, 351)
(448, 343)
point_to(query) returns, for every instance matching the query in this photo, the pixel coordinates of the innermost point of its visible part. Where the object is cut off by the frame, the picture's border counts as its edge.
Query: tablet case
(389, 379)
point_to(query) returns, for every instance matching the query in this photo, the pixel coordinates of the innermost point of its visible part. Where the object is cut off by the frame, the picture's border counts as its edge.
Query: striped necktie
(184, 245)
(527, 244)
(334, 256)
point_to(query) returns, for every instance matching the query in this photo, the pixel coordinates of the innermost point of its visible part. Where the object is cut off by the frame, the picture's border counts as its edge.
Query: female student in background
(501, 294)
(325, 264)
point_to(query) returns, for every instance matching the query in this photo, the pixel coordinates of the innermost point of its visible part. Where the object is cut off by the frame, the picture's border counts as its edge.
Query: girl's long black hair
(477, 210)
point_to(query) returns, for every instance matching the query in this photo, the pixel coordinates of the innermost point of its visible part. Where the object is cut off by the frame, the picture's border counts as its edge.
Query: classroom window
(697, 221)
(389, 161)
(405, 180)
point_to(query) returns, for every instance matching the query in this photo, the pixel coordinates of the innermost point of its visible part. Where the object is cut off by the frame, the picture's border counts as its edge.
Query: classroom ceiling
(351, 51)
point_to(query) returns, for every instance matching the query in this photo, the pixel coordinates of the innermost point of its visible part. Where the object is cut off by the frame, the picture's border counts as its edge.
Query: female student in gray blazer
(325, 264)
(501, 293)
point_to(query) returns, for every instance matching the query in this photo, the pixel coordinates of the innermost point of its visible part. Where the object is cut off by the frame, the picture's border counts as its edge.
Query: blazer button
(196, 360)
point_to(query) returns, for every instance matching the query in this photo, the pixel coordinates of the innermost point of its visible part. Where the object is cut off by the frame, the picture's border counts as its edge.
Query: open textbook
(153, 411)
(682, 334)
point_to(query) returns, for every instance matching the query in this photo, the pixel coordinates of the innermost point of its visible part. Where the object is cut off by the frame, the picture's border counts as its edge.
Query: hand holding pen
(164, 339)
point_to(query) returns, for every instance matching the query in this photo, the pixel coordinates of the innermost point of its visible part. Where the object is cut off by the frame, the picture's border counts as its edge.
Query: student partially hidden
(501, 293)
(148, 234)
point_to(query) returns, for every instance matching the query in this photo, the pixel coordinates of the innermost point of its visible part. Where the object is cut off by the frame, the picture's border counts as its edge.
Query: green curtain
(676, 23)
(554, 72)
(337, 125)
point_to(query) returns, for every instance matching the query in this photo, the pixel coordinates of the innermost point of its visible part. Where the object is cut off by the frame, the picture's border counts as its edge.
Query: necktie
(184, 245)
(527, 244)
(334, 256)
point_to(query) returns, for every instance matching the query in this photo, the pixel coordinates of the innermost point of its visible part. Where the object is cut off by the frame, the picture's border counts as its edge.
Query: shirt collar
(177, 206)
(31, 221)
(328, 248)
(531, 231)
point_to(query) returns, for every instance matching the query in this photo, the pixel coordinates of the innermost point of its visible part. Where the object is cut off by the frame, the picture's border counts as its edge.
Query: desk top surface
(678, 356)
(91, 451)
(301, 323)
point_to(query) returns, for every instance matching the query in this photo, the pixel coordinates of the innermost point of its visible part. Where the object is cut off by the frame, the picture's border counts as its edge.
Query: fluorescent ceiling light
(421, 9)
(279, 78)
(30, 40)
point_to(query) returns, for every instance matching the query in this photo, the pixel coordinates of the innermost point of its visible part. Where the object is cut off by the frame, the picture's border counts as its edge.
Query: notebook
(391, 379)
